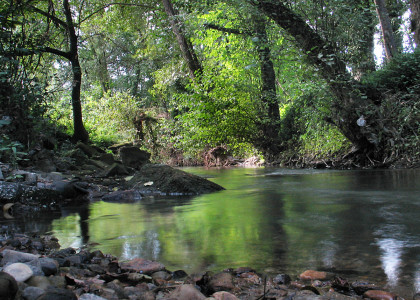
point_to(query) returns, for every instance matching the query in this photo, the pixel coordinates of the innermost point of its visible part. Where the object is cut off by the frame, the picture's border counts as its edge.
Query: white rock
(19, 271)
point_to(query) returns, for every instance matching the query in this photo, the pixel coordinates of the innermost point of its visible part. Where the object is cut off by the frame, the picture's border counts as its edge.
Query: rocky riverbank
(35, 268)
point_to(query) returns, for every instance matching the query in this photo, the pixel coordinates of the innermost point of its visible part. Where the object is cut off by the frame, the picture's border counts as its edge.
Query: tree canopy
(258, 77)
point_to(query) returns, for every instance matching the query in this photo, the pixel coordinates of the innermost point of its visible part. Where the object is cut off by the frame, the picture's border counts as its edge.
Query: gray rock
(35, 266)
(8, 286)
(11, 256)
(49, 266)
(32, 293)
(90, 297)
(57, 294)
(21, 272)
(186, 291)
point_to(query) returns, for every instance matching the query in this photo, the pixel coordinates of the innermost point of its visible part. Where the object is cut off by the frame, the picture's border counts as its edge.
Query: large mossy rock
(165, 179)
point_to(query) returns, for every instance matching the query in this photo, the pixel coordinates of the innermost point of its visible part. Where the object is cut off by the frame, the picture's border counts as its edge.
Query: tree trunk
(415, 20)
(387, 32)
(80, 133)
(349, 104)
(194, 66)
(270, 113)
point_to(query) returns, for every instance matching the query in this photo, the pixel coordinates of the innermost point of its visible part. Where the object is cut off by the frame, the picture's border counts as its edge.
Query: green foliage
(401, 74)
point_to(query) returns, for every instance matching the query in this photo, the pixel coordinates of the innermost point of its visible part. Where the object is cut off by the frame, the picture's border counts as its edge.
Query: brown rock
(221, 282)
(224, 296)
(186, 291)
(313, 275)
(379, 295)
(141, 265)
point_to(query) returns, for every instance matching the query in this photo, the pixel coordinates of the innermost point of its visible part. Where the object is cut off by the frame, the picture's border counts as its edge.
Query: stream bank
(35, 268)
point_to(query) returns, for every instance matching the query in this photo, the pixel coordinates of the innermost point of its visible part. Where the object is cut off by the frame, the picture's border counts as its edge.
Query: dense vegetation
(286, 81)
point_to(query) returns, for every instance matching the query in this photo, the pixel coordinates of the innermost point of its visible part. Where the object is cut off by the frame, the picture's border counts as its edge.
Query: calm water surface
(359, 224)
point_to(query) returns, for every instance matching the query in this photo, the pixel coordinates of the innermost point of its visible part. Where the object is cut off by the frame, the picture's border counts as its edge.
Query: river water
(361, 224)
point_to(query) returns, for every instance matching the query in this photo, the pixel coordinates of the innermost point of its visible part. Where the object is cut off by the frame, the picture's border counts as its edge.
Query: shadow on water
(359, 224)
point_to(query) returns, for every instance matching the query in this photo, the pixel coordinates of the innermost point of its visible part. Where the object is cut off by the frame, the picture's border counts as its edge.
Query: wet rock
(136, 278)
(186, 291)
(361, 287)
(282, 279)
(127, 196)
(379, 295)
(141, 265)
(313, 275)
(221, 282)
(8, 286)
(21, 272)
(108, 294)
(133, 157)
(224, 296)
(32, 293)
(117, 287)
(53, 293)
(132, 292)
(49, 266)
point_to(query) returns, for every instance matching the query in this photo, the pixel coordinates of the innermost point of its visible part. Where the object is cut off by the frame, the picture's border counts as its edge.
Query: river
(362, 224)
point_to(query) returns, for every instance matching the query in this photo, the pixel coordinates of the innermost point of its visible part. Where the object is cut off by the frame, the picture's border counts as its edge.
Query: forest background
(286, 81)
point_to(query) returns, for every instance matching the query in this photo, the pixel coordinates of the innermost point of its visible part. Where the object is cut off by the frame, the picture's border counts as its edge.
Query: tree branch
(48, 15)
(115, 3)
(224, 29)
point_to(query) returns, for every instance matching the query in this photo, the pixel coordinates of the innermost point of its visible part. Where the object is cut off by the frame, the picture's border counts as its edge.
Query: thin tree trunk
(80, 133)
(387, 32)
(415, 20)
(270, 115)
(194, 66)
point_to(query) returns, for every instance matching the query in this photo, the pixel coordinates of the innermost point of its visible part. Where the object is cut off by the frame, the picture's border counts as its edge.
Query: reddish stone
(379, 295)
(224, 296)
(141, 265)
(221, 282)
(313, 275)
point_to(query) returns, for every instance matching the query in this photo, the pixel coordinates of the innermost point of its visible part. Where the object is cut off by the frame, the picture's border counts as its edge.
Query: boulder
(171, 181)
(133, 157)
(224, 296)
(379, 295)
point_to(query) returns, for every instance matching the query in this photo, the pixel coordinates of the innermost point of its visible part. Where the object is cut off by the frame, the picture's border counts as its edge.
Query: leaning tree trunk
(80, 133)
(187, 50)
(387, 32)
(349, 104)
(269, 125)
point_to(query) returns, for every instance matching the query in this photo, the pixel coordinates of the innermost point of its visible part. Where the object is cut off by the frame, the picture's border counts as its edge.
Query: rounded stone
(90, 297)
(313, 275)
(32, 293)
(19, 271)
(49, 266)
(8, 286)
(379, 295)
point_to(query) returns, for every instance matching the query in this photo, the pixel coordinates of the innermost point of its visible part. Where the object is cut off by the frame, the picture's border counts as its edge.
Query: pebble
(379, 295)
(97, 276)
(313, 275)
(21, 272)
